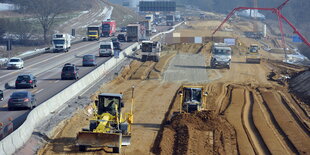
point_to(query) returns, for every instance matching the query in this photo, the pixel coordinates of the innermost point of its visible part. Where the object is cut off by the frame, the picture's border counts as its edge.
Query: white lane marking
(46, 60)
(39, 91)
(56, 81)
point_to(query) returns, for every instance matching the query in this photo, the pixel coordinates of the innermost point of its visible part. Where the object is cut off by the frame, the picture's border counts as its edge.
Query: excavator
(107, 128)
(253, 56)
(192, 98)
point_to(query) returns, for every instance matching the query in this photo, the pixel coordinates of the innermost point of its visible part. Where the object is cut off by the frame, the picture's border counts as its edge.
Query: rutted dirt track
(250, 109)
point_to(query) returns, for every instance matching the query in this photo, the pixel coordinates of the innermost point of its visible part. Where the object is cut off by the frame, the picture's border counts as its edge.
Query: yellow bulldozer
(107, 128)
(192, 98)
(253, 56)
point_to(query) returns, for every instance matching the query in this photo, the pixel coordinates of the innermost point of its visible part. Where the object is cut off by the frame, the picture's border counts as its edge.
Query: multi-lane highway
(47, 68)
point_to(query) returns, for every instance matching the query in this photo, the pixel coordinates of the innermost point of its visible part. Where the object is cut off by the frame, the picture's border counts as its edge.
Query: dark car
(26, 81)
(69, 71)
(114, 39)
(22, 99)
(124, 29)
(116, 45)
(121, 37)
(89, 60)
(1, 95)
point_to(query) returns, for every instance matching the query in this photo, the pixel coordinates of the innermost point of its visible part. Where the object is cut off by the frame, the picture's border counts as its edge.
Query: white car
(154, 30)
(15, 63)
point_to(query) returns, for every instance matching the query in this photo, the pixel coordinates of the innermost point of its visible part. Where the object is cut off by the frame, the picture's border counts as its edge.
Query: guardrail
(21, 135)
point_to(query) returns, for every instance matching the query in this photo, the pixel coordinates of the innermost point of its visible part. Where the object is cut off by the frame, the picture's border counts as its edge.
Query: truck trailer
(133, 32)
(108, 28)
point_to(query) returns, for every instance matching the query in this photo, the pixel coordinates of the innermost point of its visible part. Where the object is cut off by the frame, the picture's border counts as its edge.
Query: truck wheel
(116, 150)
(156, 58)
(82, 148)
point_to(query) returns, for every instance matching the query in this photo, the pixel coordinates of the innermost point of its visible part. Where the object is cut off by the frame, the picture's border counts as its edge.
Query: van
(106, 49)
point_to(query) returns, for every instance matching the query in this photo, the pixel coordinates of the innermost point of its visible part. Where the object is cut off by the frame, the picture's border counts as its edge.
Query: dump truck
(108, 28)
(253, 56)
(192, 98)
(61, 42)
(93, 33)
(133, 32)
(108, 127)
(220, 55)
(150, 50)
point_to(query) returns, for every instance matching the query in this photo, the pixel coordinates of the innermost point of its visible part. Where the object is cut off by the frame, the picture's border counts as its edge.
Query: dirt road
(250, 108)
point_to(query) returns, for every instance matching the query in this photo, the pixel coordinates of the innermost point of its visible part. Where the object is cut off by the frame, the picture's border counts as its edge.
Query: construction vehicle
(108, 28)
(220, 55)
(107, 128)
(61, 42)
(192, 98)
(253, 56)
(150, 50)
(93, 33)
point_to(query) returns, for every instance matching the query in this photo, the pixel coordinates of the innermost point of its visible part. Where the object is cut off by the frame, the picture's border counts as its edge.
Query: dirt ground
(250, 109)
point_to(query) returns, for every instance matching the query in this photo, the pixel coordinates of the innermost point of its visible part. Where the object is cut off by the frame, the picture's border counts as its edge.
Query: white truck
(220, 55)
(150, 50)
(150, 17)
(61, 42)
(106, 49)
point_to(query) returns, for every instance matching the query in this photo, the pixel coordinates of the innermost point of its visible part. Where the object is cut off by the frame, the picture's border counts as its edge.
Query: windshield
(59, 41)
(192, 95)
(68, 68)
(19, 95)
(23, 77)
(221, 52)
(105, 46)
(105, 27)
(88, 57)
(108, 104)
(15, 60)
(146, 47)
(92, 33)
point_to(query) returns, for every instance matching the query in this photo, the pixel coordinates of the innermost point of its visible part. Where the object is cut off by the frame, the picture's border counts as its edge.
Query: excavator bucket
(126, 140)
(99, 139)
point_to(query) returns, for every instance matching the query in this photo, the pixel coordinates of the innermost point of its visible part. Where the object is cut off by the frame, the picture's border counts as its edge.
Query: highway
(47, 68)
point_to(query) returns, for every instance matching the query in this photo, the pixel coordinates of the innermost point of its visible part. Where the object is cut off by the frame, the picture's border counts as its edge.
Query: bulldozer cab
(107, 103)
(192, 95)
(254, 48)
(192, 98)
(147, 46)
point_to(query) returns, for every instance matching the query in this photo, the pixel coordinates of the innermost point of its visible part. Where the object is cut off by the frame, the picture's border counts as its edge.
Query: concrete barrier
(21, 135)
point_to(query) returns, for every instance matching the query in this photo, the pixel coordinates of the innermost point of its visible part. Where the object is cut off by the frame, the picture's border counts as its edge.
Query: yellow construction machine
(192, 98)
(107, 128)
(253, 56)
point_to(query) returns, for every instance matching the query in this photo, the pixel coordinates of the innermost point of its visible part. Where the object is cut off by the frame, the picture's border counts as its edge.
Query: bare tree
(45, 11)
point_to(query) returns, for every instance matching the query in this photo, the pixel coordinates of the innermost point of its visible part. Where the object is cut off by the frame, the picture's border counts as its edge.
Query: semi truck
(61, 42)
(133, 32)
(170, 20)
(108, 28)
(93, 33)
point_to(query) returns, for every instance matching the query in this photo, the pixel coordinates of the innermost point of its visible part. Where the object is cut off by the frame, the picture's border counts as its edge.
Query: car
(15, 63)
(26, 81)
(124, 29)
(1, 95)
(22, 99)
(69, 71)
(121, 37)
(114, 39)
(154, 30)
(89, 60)
(116, 45)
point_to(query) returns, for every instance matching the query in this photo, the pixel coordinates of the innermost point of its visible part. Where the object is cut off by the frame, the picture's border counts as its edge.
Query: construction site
(251, 108)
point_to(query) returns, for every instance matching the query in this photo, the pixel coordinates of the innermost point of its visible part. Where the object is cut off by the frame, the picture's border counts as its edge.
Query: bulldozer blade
(99, 139)
(126, 140)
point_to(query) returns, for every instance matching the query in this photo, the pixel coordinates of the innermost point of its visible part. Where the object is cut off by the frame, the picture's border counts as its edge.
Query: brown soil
(250, 110)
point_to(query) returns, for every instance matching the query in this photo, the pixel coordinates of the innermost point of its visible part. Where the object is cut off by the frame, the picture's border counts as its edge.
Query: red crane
(274, 10)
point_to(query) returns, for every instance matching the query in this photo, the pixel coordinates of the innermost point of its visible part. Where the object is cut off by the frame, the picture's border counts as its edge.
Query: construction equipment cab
(93, 33)
(253, 56)
(106, 48)
(220, 55)
(107, 128)
(150, 50)
(192, 98)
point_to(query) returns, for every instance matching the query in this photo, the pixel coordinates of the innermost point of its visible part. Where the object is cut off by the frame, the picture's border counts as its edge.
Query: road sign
(296, 39)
